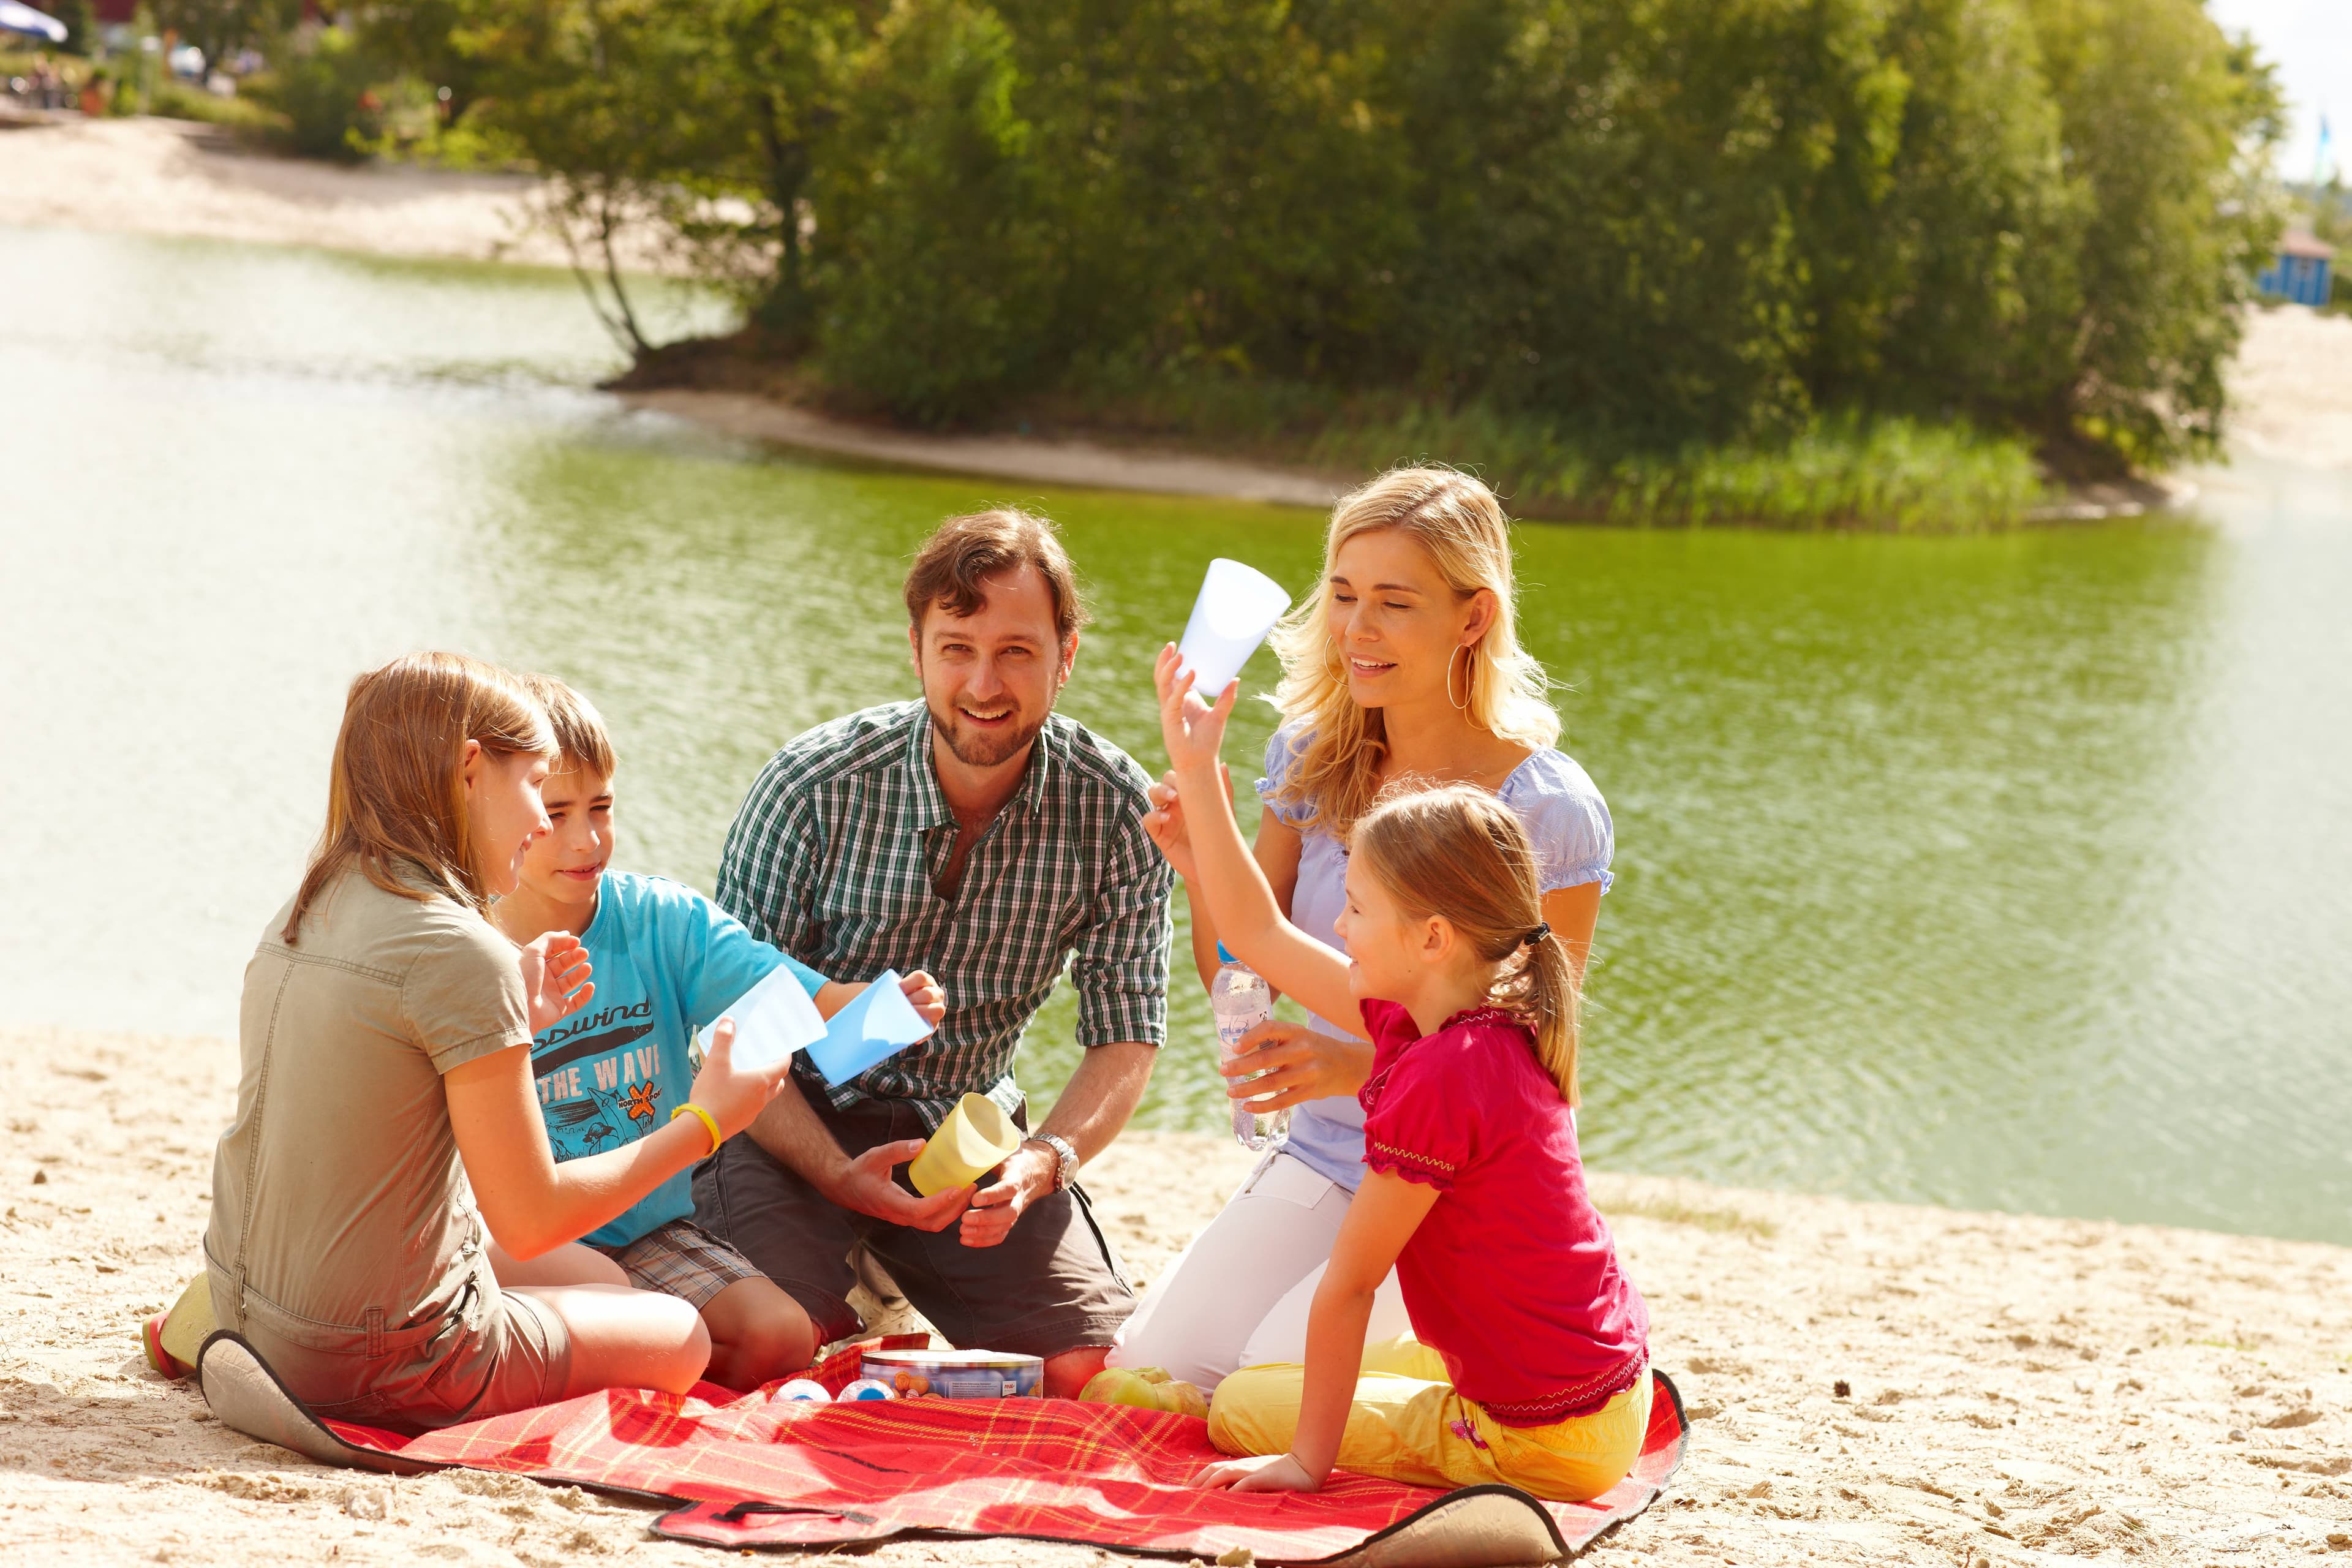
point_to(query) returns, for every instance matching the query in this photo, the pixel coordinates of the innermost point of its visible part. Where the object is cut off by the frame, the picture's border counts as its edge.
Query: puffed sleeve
(1567, 822)
(1282, 750)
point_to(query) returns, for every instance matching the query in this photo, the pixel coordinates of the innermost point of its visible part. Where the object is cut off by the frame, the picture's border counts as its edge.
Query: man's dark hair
(963, 551)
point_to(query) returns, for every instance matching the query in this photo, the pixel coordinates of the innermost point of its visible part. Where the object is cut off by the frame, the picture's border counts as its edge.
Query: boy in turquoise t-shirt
(668, 961)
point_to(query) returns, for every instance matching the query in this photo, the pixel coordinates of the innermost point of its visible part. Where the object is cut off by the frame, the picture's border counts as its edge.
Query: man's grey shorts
(1051, 1285)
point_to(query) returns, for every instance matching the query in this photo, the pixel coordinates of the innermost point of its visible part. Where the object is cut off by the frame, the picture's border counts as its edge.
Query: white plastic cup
(866, 1388)
(1237, 607)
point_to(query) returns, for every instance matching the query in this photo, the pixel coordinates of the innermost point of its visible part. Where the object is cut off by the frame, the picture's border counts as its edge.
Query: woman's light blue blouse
(1567, 822)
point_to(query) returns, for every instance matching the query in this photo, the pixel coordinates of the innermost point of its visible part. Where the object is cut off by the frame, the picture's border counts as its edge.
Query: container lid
(1223, 956)
(952, 1358)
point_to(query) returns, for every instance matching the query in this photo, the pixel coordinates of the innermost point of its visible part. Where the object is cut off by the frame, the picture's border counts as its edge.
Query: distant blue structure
(2300, 273)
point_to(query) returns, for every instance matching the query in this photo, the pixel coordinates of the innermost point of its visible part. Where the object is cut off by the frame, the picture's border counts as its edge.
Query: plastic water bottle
(1242, 1000)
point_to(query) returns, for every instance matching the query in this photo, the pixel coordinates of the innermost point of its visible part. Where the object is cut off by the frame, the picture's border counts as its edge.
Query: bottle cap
(1223, 956)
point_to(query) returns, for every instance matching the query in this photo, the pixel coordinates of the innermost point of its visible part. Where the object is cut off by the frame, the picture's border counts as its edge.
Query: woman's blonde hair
(1456, 852)
(1335, 744)
(396, 792)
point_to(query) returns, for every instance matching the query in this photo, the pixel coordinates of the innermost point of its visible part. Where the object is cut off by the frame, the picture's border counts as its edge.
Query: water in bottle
(1242, 1000)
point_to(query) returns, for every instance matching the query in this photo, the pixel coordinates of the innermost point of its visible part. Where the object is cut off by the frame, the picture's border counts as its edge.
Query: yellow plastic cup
(976, 1138)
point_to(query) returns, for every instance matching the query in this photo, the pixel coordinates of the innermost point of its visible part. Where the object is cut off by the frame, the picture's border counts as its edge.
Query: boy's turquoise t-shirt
(668, 961)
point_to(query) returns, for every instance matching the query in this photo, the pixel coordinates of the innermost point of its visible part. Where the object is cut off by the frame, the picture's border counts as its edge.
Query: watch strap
(1065, 1158)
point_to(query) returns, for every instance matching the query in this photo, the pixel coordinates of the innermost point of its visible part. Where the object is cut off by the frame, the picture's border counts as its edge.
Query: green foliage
(422, 39)
(1839, 470)
(221, 27)
(939, 273)
(1662, 223)
(82, 26)
(2159, 112)
(322, 91)
(178, 100)
(1784, 231)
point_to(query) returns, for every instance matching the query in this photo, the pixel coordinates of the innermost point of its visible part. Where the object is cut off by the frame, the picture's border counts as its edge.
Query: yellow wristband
(708, 1120)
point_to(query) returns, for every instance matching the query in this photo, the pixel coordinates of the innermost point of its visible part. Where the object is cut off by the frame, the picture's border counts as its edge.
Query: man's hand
(865, 1185)
(1299, 1064)
(1026, 1176)
(555, 978)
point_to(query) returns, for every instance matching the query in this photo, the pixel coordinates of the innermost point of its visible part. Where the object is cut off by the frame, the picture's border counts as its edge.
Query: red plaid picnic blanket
(794, 1475)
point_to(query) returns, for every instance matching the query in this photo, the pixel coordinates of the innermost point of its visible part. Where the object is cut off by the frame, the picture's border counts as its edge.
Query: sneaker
(173, 1337)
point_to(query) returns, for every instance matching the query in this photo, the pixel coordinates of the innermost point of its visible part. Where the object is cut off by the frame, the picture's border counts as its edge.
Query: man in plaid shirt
(978, 836)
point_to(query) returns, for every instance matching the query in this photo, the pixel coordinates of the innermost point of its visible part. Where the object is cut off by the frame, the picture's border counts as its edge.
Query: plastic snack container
(956, 1374)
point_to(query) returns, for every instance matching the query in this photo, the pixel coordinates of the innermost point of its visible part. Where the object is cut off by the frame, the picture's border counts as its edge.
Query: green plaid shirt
(835, 853)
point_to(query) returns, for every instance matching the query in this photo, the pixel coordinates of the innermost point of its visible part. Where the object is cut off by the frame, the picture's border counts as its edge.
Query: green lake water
(2010, 873)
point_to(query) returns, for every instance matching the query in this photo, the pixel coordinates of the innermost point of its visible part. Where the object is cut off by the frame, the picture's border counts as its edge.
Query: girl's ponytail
(1551, 1001)
(1458, 853)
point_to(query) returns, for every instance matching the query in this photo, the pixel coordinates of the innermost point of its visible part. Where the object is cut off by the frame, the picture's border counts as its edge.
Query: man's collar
(926, 805)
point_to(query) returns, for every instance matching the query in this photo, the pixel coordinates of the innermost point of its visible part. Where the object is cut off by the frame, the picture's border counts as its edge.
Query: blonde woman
(1405, 663)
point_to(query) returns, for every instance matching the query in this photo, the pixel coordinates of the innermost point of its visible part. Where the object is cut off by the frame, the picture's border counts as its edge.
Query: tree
(2170, 128)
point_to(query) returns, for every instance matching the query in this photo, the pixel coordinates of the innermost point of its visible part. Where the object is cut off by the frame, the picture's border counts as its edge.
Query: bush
(177, 101)
(1657, 224)
(939, 280)
(322, 91)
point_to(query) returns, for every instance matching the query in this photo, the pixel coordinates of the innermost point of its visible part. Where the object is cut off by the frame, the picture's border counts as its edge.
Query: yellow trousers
(1408, 1423)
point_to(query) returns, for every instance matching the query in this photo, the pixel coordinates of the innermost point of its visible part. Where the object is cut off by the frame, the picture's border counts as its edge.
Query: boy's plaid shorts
(681, 1259)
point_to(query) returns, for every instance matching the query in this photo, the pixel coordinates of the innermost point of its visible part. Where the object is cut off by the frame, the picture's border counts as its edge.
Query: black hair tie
(1537, 936)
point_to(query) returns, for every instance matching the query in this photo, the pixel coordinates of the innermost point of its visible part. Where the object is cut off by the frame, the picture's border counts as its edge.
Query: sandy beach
(176, 177)
(2016, 1390)
(1871, 1384)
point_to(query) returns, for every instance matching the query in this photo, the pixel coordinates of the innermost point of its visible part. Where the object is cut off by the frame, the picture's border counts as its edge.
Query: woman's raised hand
(734, 1095)
(555, 978)
(1191, 729)
(1298, 1064)
(1165, 825)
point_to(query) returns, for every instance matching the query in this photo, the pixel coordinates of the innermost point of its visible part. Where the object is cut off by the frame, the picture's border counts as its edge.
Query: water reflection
(2009, 871)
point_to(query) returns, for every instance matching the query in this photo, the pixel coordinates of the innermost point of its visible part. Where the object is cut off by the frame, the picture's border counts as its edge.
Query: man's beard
(983, 751)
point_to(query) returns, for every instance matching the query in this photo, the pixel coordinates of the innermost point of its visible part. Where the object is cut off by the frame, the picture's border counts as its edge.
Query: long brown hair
(396, 794)
(1336, 745)
(1458, 853)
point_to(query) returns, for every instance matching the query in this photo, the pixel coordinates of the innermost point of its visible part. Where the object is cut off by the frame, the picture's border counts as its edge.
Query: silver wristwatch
(1065, 1158)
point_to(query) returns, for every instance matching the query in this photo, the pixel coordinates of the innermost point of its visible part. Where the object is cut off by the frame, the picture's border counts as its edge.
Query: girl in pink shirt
(1528, 1363)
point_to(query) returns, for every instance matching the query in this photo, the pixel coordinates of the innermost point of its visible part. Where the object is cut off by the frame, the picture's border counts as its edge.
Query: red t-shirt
(1512, 1278)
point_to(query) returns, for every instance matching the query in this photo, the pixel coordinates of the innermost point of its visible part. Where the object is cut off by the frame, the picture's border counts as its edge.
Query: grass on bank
(1843, 470)
(1898, 475)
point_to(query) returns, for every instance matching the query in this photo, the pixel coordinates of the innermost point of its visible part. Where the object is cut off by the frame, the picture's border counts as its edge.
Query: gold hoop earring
(1469, 675)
